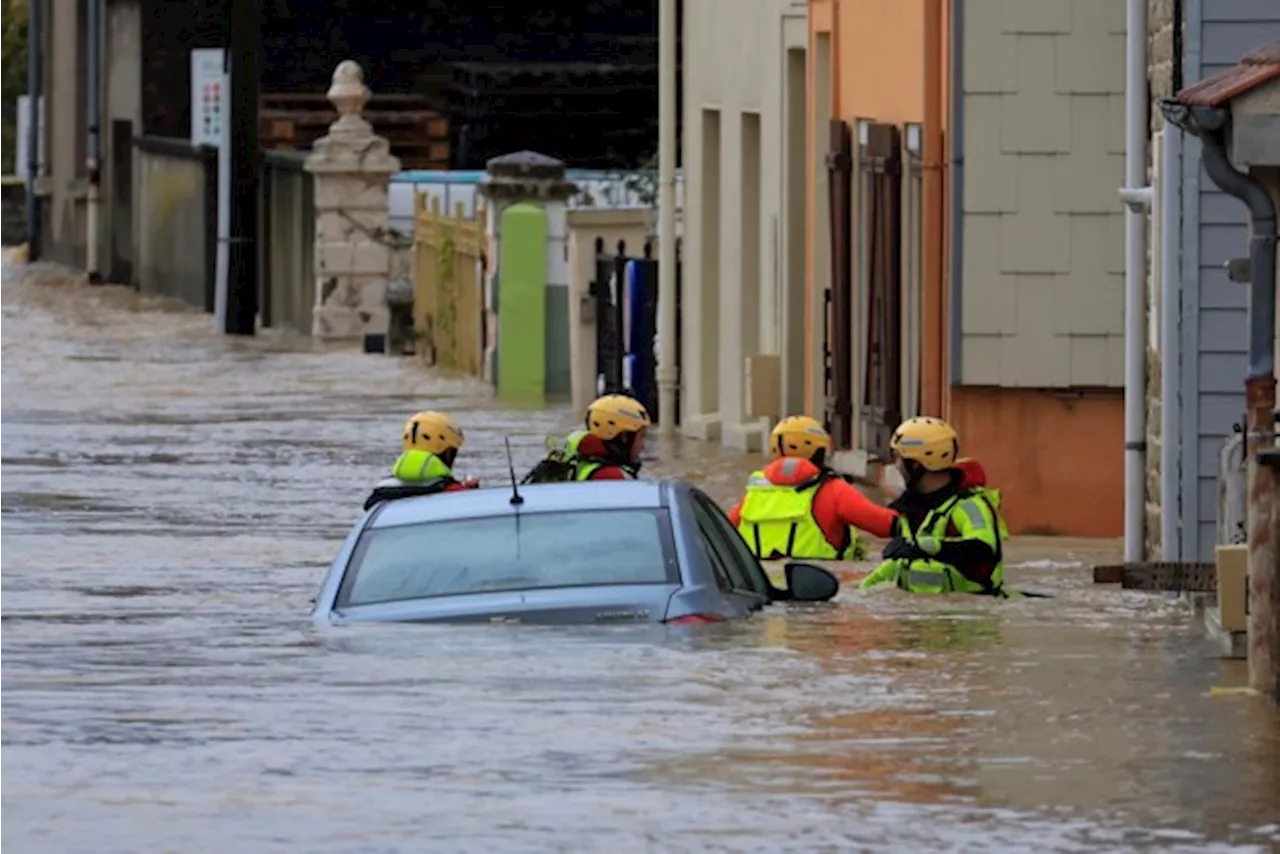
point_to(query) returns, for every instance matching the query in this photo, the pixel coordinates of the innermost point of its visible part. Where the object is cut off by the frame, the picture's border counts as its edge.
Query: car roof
(538, 498)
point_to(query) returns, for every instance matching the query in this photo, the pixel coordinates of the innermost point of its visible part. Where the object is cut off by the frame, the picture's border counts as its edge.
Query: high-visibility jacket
(972, 514)
(777, 521)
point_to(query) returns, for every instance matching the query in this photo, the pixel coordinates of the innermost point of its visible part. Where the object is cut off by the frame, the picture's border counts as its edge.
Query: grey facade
(1214, 316)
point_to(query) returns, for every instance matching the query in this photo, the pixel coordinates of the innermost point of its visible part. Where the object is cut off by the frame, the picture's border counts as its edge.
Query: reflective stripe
(758, 480)
(789, 467)
(927, 578)
(976, 517)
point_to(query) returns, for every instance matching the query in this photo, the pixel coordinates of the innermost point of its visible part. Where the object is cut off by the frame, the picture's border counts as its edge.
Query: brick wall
(1161, 75)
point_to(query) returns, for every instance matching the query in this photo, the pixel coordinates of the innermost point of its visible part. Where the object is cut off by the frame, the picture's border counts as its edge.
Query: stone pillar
(1162, 62)
(527, 176)
(353, 249)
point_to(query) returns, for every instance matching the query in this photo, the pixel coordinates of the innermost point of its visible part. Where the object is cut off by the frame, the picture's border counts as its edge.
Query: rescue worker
(607, 449)
(950, 535)
(425, 466)
(797, 507)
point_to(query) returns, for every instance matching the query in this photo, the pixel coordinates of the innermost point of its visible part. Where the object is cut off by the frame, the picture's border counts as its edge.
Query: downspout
(1171, 345)
(1136, 194)
(668, 375)
(956, 337)
(35, 87)
(93, 121)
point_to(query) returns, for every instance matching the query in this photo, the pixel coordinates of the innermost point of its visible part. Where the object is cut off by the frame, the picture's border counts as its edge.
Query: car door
(729, 554)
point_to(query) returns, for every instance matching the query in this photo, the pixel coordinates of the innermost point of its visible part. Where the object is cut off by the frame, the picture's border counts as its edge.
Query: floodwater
(170, 499)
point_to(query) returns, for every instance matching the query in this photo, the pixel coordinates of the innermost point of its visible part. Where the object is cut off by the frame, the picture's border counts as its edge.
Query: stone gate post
(353, 249)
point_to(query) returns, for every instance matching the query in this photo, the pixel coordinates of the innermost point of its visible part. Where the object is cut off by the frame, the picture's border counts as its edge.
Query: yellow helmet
(432, 431)
(799, 436)
(614, 414)
(931, 442)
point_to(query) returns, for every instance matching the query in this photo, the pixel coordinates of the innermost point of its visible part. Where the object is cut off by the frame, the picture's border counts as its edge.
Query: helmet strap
(819, 458)
(914, 473)
(448, 456)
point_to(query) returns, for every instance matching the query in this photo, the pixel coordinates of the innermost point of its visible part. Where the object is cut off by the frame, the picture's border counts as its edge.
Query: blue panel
(1218, 207)
(1223, 373)
(1217, 291)
(1221, 243)
(1225, 43)
(1219, 413)
(1221, 329)
(1237, 10)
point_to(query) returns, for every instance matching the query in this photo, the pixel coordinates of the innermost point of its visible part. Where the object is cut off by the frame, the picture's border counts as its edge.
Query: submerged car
(563, 553)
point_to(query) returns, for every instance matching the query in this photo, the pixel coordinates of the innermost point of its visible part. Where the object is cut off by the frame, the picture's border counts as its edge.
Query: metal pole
(1135, 258)
(242, 263)
(93, 120)
(35, 86)
(1170, 343)
(668, 373)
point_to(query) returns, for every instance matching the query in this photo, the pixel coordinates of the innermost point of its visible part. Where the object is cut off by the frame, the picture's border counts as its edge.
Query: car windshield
(493, 554)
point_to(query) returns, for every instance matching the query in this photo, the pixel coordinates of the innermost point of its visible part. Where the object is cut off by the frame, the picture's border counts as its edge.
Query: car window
(494, 554)
(743, 569)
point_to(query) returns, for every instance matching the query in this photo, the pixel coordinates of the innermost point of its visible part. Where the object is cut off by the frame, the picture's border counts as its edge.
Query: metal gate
(627, 323)
(837, 353)
(881, 166)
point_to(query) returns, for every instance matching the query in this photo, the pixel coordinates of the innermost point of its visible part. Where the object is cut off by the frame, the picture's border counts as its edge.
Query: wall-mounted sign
(209, 102)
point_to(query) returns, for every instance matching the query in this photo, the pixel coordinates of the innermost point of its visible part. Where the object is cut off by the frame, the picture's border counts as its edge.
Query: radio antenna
(516, 498)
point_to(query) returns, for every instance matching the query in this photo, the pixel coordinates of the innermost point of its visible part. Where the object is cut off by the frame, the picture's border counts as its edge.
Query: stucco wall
(735, 248)
(1044, 153)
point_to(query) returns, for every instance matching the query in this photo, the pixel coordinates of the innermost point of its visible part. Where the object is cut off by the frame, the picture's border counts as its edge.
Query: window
(496, 554)
(727, 547)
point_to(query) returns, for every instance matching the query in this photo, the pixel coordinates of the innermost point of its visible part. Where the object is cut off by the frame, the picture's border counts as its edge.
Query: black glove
(900, 548)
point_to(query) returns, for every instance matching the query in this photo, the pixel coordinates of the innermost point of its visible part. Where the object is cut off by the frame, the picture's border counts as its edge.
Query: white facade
(744, 208)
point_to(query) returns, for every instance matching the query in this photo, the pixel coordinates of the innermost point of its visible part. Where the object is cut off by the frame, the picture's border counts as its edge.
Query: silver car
(565, 553)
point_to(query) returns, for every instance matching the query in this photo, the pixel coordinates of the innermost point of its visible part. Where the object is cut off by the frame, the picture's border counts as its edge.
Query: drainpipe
(1136, 194)
(35, 87)
(1170, 344)
(668, 378)
(93, 121)
(956, 339)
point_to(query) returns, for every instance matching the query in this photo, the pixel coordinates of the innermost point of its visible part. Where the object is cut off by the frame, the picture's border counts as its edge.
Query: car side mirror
(809, 583)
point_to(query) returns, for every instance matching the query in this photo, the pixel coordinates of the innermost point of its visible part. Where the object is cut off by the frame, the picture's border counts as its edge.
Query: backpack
(556, 467)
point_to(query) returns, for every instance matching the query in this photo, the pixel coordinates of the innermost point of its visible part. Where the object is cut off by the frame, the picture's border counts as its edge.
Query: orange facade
(1055, 454)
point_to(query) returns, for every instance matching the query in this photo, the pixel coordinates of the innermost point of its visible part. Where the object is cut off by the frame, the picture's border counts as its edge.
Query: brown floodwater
(171, 498)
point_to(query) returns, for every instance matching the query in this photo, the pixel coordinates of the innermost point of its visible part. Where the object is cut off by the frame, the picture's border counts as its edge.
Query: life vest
(980, 510)
(414, 473)
(776, 521)
(565, 462)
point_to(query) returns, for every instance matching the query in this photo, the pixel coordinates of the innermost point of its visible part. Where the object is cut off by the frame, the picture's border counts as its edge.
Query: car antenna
(516, 498)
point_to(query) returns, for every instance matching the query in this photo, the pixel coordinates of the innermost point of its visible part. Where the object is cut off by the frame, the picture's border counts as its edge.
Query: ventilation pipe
(1136, 194)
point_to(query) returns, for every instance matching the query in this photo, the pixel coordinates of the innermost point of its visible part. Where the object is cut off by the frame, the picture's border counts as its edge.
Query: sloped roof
(1257, 67)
